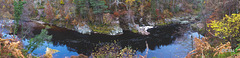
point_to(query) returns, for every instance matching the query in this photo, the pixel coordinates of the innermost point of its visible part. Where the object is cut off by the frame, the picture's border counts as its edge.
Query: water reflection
(163, 41)
(85, 44)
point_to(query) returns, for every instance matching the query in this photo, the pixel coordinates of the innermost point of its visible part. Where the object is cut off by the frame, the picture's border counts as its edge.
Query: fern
(204, 49)
(10, 48)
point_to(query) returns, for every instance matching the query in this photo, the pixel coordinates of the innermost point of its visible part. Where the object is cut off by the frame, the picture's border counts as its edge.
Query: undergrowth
(101, 28)
(205, 50)
(10, 48)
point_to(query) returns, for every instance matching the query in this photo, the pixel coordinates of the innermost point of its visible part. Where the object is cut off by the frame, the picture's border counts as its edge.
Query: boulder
(143, 30)
(117, 30)
(85, 29)
(184, 22)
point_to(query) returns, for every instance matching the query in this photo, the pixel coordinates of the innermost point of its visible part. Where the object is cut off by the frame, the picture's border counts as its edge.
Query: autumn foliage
(228, 27)
(218, 8)
(49, 11)
(204, 49)
(10, 48)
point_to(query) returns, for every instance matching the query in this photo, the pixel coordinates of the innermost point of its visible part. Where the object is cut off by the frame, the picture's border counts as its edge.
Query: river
(168, 41)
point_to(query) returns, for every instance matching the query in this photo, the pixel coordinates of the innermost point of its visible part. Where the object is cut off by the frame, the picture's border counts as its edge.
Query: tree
(81, 8)
(49, 11)
(18, 6)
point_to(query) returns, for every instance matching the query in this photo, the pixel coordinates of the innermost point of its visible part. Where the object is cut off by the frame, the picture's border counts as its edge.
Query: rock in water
(7, 22)
(83, 29)
(117, 30)
(143, 30)
(184, 22)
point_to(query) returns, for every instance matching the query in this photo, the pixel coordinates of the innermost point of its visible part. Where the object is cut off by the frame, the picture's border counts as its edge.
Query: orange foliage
(49, 12)
(141, 12)
(10, 48)
(67, 17)
(202, 48)
(74, 22)
(58, 16)
(157, 12)
(189, 11)
(166, 14)
(116, 14)
(123, 12)
(119, 13)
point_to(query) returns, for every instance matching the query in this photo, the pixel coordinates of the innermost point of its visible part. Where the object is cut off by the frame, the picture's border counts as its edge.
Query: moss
(134, 31)
(41, 7)
(101, 28)
(224, 55)
(196, 11)
(161, 24)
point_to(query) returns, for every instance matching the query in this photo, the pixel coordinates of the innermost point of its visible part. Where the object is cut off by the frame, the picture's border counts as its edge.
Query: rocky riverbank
(116, 29)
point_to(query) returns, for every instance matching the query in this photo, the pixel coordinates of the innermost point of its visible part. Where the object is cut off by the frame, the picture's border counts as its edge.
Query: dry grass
(203, 48)
(10, 48)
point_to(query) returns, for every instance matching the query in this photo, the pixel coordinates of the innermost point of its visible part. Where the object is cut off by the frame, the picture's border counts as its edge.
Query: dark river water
(163, 42)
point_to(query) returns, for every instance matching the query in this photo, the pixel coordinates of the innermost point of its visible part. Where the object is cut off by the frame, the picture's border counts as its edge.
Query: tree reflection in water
(85, 44)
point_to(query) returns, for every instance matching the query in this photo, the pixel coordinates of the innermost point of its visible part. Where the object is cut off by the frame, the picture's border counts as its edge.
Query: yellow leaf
(3, 6)
(49, 52)
(130, 2)
(61, 2)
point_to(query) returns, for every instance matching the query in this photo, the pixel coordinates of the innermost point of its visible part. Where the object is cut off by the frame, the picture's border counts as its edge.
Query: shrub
(49, 11)
(18, 6)
(228, 27)
(204, 49)
(113, 50)
(10, 48)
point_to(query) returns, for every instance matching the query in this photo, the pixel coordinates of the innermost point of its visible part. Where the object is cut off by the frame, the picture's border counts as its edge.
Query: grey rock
(152, 23)
(7, 23)
(192, 19)
(116, 31)
(175, 20)
(184, 22)
(83, 29)
(197, 26)
(143, 30)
